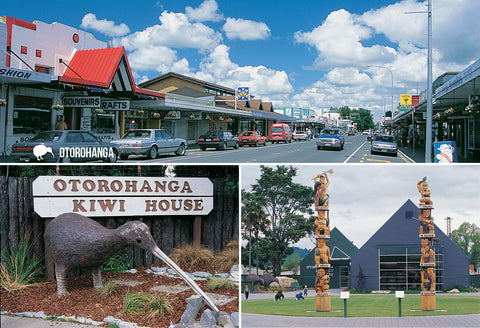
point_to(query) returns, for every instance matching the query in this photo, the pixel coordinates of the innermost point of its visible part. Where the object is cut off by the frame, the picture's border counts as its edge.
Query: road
(356, 150)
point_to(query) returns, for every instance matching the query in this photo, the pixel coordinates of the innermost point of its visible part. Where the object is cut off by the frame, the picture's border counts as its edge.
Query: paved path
(19, 322)
(447, 321)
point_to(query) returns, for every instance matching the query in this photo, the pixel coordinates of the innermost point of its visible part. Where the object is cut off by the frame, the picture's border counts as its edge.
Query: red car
(252, 138)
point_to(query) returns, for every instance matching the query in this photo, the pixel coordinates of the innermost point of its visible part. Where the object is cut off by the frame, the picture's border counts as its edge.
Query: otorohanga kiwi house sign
(122, 196)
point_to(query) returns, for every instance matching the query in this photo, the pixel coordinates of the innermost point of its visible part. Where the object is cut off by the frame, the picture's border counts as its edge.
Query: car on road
(65, 146)
(384, 144)
(150, 143)
(351, 133)
(300, 135)
(280, 132)
(219, 139)
(252, 138)
(331, 138)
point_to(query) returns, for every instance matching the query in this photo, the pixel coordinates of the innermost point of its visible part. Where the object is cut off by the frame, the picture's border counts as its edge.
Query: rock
(208, 319)
(194, 305)
(40, 315)
(202, 274)
(131, 271)
(235, 273)
(224, 319)
(235, 317)
(274, 285)
(222, 275)
(148, 271)
(453, 291)
(156, 269)
(81, 319)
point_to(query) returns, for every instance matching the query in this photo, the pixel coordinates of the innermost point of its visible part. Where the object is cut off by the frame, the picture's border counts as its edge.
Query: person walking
(247, 292)
(305, 291)
(61, 125)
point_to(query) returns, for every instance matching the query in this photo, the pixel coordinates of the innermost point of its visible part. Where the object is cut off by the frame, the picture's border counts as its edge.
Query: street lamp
(391, 73)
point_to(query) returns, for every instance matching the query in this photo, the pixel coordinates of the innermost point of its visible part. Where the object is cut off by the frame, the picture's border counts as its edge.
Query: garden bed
(84, 301)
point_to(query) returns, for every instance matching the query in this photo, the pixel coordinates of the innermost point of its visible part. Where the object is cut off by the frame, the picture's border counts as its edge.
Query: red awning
(103, 68)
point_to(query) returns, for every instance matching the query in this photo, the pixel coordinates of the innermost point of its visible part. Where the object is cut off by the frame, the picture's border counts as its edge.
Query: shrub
(117, 263)
(190, 257)
(217, 284)
(109, 288)
(18, 271)
(228, 257)
(144, 303)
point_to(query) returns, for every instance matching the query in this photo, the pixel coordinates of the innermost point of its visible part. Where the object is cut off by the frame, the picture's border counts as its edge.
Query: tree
(292, 262)
(254, 220)
(287, 205)
(467, 237)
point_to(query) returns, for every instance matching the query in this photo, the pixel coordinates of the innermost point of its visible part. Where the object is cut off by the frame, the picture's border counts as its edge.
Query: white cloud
(175, 31)
(338, 42)
(264, 83)
(245, 29)
(147, 59)
(104, 26)
(207, 11)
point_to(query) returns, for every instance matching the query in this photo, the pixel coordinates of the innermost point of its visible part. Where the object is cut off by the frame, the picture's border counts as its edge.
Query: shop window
(23, 50)
(400, 268)
(31, 115)
(103, 121)
(43, 69)
(136, 119)
(38, 53)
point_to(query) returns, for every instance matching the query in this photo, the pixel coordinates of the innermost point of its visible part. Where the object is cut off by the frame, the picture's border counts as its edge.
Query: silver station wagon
(150, 142)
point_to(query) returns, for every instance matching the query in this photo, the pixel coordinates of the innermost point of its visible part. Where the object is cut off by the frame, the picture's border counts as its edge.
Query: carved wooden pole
(322, 236)
(427, 236)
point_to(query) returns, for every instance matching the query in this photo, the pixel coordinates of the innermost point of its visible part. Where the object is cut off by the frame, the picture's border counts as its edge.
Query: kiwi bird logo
(40, 150)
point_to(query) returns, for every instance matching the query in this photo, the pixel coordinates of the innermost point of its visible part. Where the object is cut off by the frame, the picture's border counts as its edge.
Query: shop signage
(115, 104)
(122, 196)
(90, 102)
(19, 74)
(405, 99)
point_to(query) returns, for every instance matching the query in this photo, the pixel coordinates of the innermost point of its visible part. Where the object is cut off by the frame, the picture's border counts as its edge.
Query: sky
(364, 197)
(310, 54)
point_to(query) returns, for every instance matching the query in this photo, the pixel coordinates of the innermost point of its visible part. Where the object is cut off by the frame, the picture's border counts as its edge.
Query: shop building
(341, 251)
(456, 114)
(50, 71)
(390, 259)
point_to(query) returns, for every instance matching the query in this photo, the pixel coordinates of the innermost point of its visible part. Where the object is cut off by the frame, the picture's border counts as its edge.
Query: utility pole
(449, 225)
(429, 126)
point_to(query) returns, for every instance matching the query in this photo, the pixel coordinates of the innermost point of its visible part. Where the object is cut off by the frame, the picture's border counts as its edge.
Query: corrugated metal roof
(98, 68)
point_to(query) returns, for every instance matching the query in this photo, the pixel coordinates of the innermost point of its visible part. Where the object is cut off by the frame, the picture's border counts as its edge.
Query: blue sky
(311, 54)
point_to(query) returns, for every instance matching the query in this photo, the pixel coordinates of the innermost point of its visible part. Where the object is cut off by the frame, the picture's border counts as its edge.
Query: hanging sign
(122, 196)
(91, 102)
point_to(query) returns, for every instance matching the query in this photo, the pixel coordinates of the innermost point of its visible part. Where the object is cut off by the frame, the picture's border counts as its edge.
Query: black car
(65, 146)
(218, 139)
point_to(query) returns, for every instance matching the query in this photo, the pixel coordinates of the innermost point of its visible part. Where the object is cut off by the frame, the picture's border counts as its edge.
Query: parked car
(300, 135)
(65, 146)
(280, 132)
(218, 139)
(252, 138)
(150, 142)
(385, 144)
(331, 138)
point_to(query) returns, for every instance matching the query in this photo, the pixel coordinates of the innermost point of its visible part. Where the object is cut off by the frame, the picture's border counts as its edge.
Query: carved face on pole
(426, 214)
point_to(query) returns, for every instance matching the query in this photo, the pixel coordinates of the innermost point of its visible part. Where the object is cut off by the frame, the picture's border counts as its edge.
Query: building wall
(172, 83)
(401, 230)
(55, 42)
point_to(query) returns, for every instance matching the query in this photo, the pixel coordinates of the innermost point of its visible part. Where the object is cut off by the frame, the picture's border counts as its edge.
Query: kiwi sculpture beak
(158, 253)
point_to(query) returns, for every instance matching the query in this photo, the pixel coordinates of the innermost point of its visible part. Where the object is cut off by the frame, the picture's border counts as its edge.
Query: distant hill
(302, 252)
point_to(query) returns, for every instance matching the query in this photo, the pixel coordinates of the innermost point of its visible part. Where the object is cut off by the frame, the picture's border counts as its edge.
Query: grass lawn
(364, 306)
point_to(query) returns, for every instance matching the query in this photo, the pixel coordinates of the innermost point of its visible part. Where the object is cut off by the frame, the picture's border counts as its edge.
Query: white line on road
(348, 158)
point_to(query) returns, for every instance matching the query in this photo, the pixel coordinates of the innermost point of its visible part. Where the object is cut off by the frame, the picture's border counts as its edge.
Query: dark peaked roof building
(341, 249)
(390, 259)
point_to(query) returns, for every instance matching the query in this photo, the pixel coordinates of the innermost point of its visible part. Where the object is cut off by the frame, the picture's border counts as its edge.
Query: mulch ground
(84, 301)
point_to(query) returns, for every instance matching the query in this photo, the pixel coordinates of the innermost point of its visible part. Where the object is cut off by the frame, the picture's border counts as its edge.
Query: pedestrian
(279, 296)
(305, 291)
(299, 296)
(247, 292)
(61, 125)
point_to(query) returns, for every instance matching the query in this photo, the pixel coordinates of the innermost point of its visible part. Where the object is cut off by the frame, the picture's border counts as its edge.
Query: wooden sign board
(122, 196)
